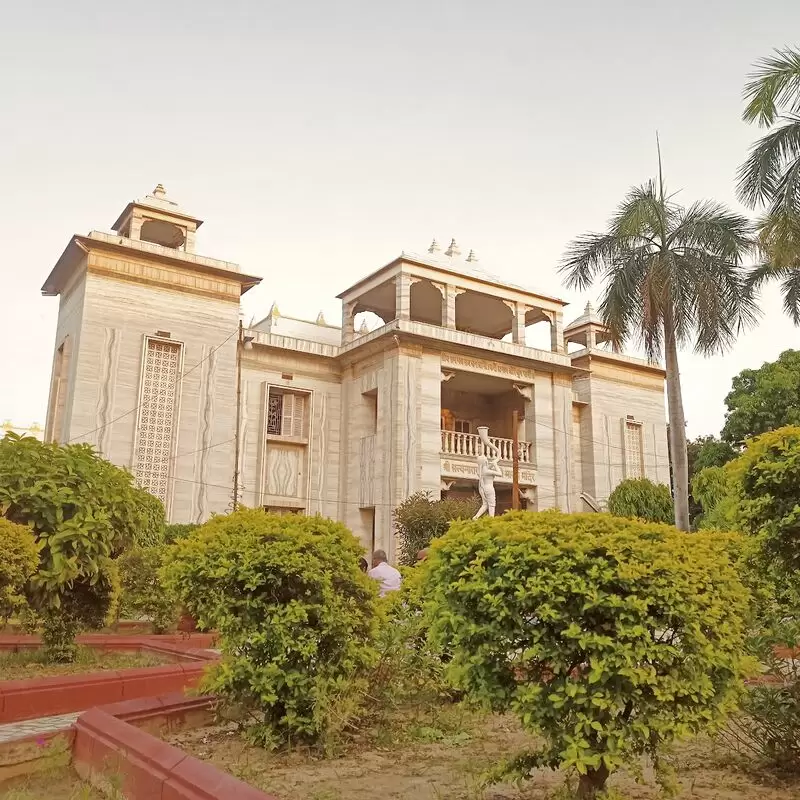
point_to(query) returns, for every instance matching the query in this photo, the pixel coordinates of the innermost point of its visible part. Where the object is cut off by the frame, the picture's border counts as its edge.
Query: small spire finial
(589, 308)
(434, 248)
(273, 310)
(363, 328)
(453, 250)
(159, 191)
(321, 319)
(472, 256)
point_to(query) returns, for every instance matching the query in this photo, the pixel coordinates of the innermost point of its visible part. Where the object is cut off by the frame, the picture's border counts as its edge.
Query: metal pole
(239, 346)
(515, 460)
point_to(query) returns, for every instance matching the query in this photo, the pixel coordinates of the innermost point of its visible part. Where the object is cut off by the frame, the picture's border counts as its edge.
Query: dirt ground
(60, 784)
(30, 663)
(448, 765)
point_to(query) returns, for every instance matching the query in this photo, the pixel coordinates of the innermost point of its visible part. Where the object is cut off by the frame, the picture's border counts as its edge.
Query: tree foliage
(763, 399)
(294, 611)
(607, 637)
(83, 511)
(714, 489)
(767, 479)
(143, 594)
(19, 558)
(673, 277)
(420, 519)
(640, 498)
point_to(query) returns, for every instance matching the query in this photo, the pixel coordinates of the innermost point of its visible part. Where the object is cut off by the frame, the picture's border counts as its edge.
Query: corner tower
(145, 353)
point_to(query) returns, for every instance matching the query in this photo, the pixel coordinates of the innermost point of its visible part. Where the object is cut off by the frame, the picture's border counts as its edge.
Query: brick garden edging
(43, 697)
(108, 750)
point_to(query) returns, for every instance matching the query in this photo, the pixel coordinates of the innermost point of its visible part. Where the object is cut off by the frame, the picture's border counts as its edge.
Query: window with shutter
(287, 413)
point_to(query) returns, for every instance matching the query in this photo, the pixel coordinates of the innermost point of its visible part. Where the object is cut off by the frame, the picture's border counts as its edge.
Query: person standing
(387, 576)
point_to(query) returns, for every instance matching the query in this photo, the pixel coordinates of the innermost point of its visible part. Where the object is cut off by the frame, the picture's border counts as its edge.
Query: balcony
(470, 446)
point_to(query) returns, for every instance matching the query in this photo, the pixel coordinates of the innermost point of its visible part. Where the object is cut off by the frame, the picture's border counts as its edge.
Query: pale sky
(319, 139)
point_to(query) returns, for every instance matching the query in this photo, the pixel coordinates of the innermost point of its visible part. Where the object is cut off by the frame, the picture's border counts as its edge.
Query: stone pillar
(518, 335)
(402, 298)
(449, 306)
(591, 339)
(556, 331)
(348, 322)
(528, 419)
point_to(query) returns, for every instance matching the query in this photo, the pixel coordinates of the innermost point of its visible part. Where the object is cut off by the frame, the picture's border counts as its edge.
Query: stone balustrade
(468, 444)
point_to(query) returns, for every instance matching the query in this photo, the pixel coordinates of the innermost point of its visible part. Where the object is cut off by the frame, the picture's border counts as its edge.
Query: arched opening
(426, 303)
(164, 233)
(483, 314)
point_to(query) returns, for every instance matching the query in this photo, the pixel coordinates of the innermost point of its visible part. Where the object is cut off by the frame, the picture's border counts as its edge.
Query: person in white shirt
(387, 576)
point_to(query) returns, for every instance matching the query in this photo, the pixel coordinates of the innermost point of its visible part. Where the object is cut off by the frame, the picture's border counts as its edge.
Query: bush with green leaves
(83, 512)
(19, 558)
(294, 612)
(142, 592)
(641, 498)
(608, 637)
(419, 519)
(178, 530)
(766, 478)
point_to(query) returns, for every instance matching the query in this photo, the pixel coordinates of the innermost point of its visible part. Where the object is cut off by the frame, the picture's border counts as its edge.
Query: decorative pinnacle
(321, 319)
(273, 310)
(472, 256)
(363, 328)
(159, 191)
(453, 250)
(434, 248)
(589, 308)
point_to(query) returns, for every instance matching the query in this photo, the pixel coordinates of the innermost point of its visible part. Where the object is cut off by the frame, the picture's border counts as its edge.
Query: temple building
(343, 420)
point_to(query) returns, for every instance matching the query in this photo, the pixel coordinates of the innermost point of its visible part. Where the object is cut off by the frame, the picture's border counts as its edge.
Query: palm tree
(673, 277)
(770, 177)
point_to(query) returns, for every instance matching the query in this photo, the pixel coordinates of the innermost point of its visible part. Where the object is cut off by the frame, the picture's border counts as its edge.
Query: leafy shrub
(19, 558)
(767, 479)
(767, 726)
(143, 593)
(410, 665)
(715, 491)
(640, 498)
(419, 519)
(606, 636)
(178, 530)
(294, 611)
(83, 510)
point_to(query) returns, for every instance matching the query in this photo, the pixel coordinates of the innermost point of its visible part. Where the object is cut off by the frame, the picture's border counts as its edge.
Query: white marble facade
(342, 420)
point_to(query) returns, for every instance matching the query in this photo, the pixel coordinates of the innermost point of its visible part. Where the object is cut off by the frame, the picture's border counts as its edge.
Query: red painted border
(45, 697)
(107, 743)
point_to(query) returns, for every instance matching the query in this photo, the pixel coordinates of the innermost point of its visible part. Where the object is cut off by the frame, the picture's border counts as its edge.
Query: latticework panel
(157, 417)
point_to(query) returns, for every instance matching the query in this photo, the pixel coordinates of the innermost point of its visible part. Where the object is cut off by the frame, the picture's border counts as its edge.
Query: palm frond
(761, 274)
(586, 256)
(790, 286)
(760, 175)
(779, 238)
(774, 84)
(711, 226)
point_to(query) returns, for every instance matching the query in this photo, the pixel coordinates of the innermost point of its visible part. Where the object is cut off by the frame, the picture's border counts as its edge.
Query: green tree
(419, 519)
(143, 592)
(763, 399)
(673, 277)
(767, 479)
(607, 637)
(294, 611)
(640, 498)
(770, 177)
(83, 512)
(19, 558)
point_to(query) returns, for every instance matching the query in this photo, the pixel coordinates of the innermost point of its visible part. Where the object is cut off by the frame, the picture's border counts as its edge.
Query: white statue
(488, 470)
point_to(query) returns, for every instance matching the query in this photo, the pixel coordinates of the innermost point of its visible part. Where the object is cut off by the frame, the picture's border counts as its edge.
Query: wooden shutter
(294, 406)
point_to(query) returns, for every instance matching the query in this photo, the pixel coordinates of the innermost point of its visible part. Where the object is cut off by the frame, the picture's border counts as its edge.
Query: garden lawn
(31, 664)
(58, 784)
(441, 762)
